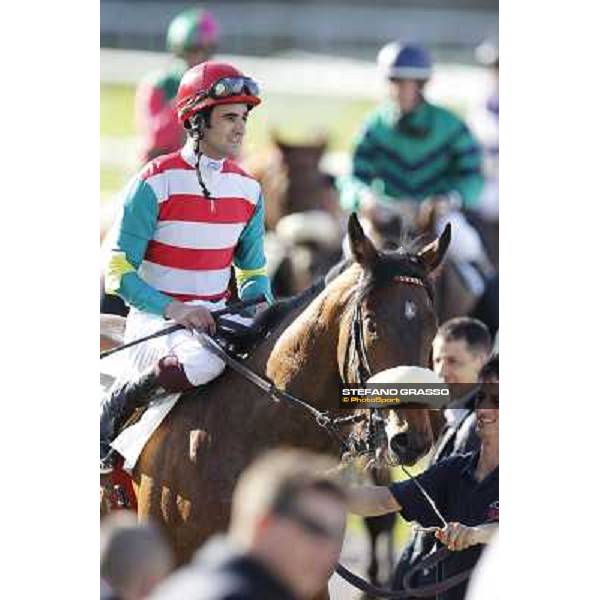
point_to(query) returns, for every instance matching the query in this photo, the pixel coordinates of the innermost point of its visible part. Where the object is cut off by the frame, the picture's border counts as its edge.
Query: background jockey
(187, 217)
(410, 149)
(192, 37)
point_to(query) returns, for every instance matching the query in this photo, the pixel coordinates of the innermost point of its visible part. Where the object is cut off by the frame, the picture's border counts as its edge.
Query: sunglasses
(233, 86)
(315, 528)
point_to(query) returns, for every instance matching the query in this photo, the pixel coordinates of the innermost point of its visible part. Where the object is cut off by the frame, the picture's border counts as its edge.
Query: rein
(267, 386)
(425, 591)
(357, 360)
(216, 314)
(357, 357)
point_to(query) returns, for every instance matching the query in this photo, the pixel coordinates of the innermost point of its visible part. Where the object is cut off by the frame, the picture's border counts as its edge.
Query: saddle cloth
(132, 440)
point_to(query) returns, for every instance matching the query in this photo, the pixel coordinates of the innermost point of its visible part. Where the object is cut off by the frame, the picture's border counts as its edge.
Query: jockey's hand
(197, 318)
(457, 536)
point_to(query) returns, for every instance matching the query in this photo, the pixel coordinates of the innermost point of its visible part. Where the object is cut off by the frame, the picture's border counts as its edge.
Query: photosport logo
(388, 395)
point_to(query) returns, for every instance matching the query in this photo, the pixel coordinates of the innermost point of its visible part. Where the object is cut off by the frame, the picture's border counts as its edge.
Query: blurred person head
(290, 515)
(407, 67)
(487, 403)
(487, 55)
(213, 102)
(460, 349)
(193, 35)
(134, 557)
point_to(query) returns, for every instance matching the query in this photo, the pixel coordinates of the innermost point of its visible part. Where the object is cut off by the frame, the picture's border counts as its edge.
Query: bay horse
(187, 472)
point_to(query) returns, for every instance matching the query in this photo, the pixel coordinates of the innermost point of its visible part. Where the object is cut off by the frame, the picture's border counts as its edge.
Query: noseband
(356, 360)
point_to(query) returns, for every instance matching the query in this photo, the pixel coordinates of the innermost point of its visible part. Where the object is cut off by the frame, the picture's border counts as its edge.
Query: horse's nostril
(400, 440)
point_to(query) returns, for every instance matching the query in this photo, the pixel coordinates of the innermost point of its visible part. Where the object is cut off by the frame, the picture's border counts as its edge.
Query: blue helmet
(487, 54)
(405, 61)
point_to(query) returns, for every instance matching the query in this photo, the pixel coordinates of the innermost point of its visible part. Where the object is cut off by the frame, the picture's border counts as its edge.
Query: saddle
(240, 340)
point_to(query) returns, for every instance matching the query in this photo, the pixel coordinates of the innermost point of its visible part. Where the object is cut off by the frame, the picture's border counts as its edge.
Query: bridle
(356, 367)
(356, 362)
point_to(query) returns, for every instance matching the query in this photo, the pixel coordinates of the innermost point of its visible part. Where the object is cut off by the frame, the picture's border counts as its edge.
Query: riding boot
(117, 407)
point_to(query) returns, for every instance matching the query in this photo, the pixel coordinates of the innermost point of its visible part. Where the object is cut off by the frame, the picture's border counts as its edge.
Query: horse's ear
(433, 254)
(362, 248)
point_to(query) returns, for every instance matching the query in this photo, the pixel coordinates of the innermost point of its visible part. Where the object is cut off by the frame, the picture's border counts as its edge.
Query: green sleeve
(351, 187)
(249, 258)
(466, 171)
(135, 230)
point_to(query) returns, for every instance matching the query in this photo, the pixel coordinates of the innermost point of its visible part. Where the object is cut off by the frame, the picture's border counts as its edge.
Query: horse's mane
(276, 313)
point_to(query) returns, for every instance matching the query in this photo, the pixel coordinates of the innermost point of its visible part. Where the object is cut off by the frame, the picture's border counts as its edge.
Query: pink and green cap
(192, 29)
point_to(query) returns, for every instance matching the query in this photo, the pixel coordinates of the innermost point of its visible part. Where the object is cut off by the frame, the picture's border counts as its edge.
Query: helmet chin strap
(197, 126)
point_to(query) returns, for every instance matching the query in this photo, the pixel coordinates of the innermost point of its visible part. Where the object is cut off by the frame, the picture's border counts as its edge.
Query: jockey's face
(455, 362)
(224, 137)
(405, 93)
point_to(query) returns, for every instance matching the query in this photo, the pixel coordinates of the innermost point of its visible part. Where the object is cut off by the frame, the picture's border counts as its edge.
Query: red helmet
(211, 83)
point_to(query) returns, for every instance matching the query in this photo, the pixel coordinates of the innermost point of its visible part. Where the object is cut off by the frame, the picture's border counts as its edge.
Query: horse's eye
(371, 325)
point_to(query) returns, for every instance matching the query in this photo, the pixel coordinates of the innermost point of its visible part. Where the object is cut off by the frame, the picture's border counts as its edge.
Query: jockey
(192, 37)
(410, 149)
(187, 216)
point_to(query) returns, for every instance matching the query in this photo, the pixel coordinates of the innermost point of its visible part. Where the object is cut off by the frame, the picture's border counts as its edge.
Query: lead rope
(364, 370)
(427, 497)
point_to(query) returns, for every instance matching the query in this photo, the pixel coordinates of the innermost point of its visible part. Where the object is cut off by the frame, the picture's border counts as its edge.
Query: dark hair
(198, 119)
(491, 369)
(475, 333)
(291, 489)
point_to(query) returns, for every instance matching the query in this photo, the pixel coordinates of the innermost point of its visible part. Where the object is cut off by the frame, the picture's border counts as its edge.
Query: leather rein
(356, 360)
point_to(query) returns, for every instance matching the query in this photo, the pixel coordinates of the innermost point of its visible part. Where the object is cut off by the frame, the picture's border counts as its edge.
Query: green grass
(112, 179)
(296, 118)
(116, 110)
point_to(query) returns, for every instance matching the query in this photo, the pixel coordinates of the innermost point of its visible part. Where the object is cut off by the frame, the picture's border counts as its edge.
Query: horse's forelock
(392, 264)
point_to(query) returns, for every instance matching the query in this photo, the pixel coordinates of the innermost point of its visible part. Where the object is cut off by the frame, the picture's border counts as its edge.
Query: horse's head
(390, 320)
(301, 156)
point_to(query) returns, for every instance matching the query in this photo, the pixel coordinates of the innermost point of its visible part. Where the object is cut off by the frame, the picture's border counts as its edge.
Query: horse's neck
(305, 356)
(303, 190)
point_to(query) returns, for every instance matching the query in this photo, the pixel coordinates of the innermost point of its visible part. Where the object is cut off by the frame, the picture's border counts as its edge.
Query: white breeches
(199, 364)
(465, 244)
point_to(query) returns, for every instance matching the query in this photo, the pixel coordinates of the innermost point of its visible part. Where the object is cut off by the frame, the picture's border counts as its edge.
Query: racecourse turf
(297, 118)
